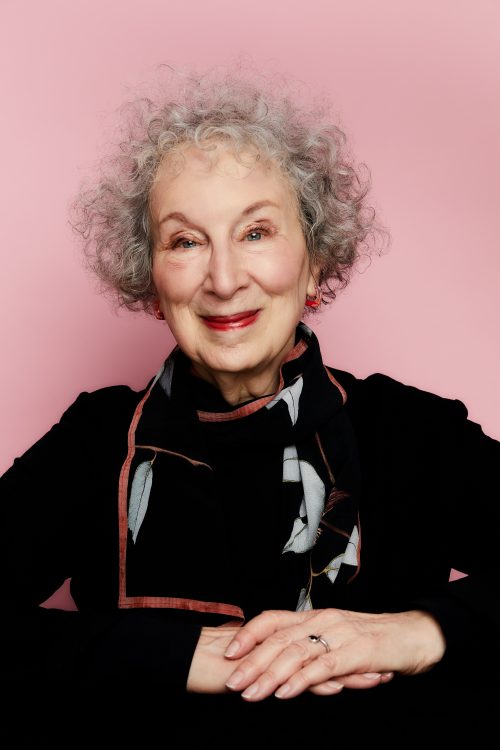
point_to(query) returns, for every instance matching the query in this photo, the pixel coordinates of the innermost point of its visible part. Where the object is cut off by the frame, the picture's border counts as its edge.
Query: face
(230, 263)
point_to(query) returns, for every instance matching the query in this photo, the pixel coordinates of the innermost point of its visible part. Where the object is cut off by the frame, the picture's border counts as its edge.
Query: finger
(285, 653)
(358, 681)
(331, 687)
(326, 667)
(293, 667)
(272, 662)
(387, 676)
(260, 628)
(262, 672)
(353, 681)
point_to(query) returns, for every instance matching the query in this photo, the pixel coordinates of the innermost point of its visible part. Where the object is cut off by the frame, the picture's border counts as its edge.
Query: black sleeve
(467, 609)
(39, 529)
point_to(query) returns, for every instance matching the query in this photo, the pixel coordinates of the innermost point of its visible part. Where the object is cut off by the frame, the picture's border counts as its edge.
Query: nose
(226, 272)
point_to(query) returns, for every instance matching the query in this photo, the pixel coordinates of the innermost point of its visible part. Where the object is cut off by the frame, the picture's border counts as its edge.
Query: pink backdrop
(416, 85)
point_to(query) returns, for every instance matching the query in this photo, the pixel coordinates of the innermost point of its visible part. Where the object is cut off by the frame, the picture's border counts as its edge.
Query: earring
(315, 301)
(157, 312)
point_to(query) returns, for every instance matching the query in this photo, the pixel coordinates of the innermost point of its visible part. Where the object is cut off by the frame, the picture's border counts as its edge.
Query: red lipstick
(230, 322)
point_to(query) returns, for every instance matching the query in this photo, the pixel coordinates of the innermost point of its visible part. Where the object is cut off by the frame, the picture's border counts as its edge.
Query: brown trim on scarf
(330, 475)
(195, 605)
(335, 382)
(192, 461)
(156, 602)
(122, 502)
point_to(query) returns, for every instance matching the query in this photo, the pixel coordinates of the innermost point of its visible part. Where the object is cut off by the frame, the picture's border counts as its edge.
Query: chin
(232, 364)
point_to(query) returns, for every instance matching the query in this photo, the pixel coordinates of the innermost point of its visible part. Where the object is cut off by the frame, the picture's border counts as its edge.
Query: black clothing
(429, 502)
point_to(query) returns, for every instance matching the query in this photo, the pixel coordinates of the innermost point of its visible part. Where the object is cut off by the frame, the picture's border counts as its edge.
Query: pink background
(416, 85)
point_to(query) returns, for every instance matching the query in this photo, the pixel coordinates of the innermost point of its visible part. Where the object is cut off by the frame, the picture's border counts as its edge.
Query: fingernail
(234, 680)
(333, 684)
(250, 691)
(372, 675)
(282, 691)
(232, 649)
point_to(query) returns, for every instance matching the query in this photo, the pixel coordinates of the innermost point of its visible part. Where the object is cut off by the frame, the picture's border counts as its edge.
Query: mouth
(230, 322)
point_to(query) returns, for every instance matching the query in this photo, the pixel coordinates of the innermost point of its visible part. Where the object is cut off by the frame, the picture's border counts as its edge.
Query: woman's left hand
(281, 659)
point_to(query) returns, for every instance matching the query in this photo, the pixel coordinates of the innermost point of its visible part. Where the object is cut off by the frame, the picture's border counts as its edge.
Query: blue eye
(254, 235)
(185, 243)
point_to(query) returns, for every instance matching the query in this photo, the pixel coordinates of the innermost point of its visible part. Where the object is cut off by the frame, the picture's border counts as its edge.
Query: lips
(230, 322)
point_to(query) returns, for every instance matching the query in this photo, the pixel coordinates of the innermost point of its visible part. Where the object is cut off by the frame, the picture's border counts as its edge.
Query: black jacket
(429, 503)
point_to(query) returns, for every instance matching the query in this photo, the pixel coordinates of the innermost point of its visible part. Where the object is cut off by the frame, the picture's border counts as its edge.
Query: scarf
(226, 511)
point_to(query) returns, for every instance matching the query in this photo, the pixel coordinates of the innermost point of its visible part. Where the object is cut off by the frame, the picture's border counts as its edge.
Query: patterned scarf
(229, 511)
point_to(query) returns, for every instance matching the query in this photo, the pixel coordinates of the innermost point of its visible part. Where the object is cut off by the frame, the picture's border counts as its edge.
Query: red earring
(315, 301)
(157, 312)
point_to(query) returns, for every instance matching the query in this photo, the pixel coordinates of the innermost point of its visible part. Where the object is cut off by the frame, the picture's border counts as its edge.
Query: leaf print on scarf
(348, 557)
(306, 525)
(291, 397)
(304, 604)
(139, 496)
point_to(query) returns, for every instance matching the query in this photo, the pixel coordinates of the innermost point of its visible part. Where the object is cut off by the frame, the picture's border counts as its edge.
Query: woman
(253, 523)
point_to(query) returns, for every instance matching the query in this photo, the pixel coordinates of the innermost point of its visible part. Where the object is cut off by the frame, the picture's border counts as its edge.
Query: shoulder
(97, 418)
(103, 409)
(110, 397)
(379, 394)
(96, 415)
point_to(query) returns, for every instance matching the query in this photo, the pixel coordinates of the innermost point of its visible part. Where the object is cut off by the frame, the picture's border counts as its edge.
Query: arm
(44, 527)
(451, 630)
(467, 609)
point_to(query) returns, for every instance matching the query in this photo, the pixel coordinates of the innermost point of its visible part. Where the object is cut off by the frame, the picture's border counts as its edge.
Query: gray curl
(112, 215)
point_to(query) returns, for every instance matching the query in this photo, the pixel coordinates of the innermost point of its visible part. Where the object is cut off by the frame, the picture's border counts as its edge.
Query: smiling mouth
(230, 322)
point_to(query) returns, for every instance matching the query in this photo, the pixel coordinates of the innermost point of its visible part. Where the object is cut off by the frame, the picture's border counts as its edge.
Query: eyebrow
(257, 206)
(246, 212)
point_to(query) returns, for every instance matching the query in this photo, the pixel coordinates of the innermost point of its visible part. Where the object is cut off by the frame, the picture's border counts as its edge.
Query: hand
(276, 656)
(209, 669)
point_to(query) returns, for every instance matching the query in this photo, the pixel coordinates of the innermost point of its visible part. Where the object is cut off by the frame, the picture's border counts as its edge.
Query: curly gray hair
(113, 215)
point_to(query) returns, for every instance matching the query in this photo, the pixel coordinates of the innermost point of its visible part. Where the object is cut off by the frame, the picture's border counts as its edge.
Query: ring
(319, 639)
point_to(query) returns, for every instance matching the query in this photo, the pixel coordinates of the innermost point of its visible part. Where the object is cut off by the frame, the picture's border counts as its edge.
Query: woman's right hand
(209, 668)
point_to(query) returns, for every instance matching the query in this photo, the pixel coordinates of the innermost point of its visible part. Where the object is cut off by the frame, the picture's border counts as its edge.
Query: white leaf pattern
(304, 530)
(348, 557)
(304, 604)
(139, 497)
(290, 396)
(291, 468)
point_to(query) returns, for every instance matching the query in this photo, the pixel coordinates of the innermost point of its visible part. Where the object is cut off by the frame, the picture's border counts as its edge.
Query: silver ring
(319, 639)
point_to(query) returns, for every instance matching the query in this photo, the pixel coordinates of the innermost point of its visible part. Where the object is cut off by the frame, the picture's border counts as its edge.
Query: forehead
(221, 166)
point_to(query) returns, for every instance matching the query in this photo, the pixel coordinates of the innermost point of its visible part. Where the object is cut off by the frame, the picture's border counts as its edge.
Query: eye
(256, 234)
(184, 243)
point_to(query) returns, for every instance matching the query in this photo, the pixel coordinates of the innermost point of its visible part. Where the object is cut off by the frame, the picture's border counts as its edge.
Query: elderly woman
(253, 524)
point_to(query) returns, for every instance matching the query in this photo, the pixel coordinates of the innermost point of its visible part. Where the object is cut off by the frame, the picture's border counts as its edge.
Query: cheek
(174, 283)
(284, 275)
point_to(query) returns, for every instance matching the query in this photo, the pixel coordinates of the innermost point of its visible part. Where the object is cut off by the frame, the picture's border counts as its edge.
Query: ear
(157, 310)
(313, 281)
